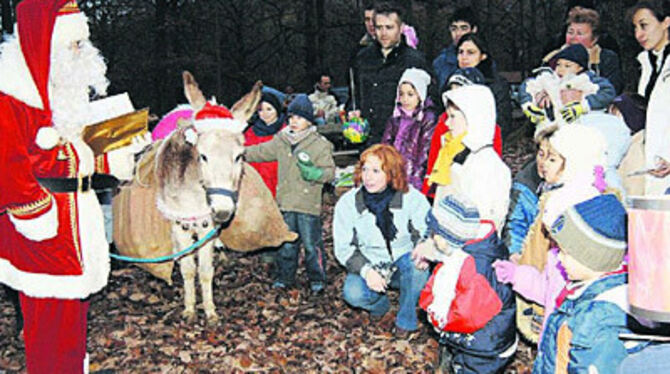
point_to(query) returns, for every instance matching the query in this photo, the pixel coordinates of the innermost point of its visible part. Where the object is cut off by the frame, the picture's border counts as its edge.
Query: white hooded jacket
(483, 177)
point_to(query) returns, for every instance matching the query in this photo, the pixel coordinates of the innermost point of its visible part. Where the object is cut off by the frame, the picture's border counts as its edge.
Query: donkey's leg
(182, 239)
(206, 275)
(187, 267)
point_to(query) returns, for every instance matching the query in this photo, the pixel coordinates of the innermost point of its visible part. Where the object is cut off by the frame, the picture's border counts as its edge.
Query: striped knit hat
(456, 219)
(593, 232)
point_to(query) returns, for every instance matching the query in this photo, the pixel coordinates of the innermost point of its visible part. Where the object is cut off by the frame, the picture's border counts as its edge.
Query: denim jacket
(358, 242)
(592, 323)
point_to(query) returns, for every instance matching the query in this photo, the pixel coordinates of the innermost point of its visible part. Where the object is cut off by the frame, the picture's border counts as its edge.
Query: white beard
(74, 75)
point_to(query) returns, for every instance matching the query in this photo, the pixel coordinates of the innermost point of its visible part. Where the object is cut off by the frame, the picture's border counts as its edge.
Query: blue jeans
(407, 278)
(286, 259)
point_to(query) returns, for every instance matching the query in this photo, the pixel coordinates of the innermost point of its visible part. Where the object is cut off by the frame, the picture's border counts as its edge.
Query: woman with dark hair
(373, 228)
(473, 53)
(651, 24)
(269, 119)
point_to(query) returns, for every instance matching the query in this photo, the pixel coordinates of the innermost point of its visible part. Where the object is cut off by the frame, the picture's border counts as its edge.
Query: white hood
(478, 105)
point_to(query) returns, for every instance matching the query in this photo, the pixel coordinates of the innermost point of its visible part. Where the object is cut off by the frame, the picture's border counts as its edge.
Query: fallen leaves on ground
(135, 323)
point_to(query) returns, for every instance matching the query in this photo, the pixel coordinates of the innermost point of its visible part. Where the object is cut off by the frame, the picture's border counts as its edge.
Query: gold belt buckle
(83, 183)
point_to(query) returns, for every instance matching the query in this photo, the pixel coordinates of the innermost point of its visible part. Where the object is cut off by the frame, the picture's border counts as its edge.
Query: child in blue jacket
(472, 311)
(582, 333)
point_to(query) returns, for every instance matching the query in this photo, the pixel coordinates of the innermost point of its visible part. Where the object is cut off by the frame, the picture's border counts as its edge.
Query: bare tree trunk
(217, 49)
(310, 50)
(320, 27)
(431, 34)
(7, 19)
(160, 53)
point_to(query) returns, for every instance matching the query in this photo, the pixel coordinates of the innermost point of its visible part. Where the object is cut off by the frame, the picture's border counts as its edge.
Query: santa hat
(42, 24)
(213, 116)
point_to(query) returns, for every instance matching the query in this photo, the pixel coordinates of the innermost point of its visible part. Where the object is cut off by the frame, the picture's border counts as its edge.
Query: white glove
(122, 160)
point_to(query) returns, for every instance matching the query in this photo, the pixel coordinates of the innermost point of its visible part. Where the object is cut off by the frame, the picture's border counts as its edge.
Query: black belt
(83, 184)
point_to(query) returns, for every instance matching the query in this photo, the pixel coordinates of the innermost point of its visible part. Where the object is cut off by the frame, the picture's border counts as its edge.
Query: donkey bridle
(221, 191)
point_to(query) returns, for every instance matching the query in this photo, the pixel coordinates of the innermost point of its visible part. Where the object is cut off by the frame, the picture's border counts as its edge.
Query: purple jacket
(411, 136)
(541, 287)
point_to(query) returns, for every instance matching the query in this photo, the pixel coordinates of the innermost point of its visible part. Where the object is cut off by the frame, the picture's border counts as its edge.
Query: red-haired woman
(372, 234)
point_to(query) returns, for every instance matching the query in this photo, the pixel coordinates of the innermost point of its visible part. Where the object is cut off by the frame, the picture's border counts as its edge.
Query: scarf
(295, 137)
(451, 146)
(260, 128)
(378, 204)
(656, 67)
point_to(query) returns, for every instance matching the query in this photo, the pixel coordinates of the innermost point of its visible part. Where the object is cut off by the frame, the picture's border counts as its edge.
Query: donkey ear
(245, 107)
(192, 92)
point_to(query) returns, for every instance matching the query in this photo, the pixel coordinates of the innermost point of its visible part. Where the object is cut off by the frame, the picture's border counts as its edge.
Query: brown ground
(135, 324)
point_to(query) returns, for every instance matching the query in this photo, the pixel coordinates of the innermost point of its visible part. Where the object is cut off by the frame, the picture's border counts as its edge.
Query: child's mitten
(571, 111)
(308, 171)
(504, 271)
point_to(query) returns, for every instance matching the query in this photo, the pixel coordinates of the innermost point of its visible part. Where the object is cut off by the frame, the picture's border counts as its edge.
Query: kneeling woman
(372, 234)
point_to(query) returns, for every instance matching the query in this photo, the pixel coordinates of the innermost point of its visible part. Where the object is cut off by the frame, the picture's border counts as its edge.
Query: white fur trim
(16, 79)
(228, 124)
(40, 228)
(191, 216)
(444, 287)
(47, 138)
(69, 28)
(121, 163)
(95, 253)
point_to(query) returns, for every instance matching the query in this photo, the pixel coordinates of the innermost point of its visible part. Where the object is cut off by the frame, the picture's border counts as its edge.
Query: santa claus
(52, 240)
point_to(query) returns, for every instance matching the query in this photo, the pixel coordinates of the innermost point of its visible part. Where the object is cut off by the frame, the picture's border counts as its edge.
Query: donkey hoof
(212, 320)
(189, 316)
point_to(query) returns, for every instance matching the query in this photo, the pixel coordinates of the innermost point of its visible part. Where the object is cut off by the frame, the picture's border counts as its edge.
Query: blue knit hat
(466, 77)
(301, 106)
(575, 53)
(455, 219)
(593, 232)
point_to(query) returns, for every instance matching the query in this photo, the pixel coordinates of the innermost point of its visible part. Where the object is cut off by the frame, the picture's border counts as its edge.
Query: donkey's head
(219, 142)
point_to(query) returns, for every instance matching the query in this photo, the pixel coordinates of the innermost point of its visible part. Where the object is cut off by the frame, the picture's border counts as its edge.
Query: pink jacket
(541, 287)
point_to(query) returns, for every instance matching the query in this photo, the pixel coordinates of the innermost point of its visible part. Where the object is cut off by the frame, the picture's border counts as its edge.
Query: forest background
(229, 44)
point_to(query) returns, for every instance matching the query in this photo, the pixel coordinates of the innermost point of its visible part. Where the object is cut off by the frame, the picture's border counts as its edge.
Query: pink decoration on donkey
(168, 123)
(649, 257)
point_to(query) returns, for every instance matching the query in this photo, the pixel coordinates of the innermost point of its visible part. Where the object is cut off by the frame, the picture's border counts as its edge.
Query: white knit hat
(417, 78)
(582, 147)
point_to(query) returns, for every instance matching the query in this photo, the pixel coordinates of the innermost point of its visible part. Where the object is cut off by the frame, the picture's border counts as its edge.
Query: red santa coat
(72, 264)
(267, 170)
(51, 244)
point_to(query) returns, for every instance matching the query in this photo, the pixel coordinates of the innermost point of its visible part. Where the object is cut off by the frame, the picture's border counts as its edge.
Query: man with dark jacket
(377, 68)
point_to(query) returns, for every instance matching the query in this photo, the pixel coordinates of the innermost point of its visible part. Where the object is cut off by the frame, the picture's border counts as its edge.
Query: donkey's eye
(239, 158)
(203, 158)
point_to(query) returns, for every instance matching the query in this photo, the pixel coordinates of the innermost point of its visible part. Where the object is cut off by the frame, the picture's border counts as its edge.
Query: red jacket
(267, 170)
(436, 144)
(51, 244)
